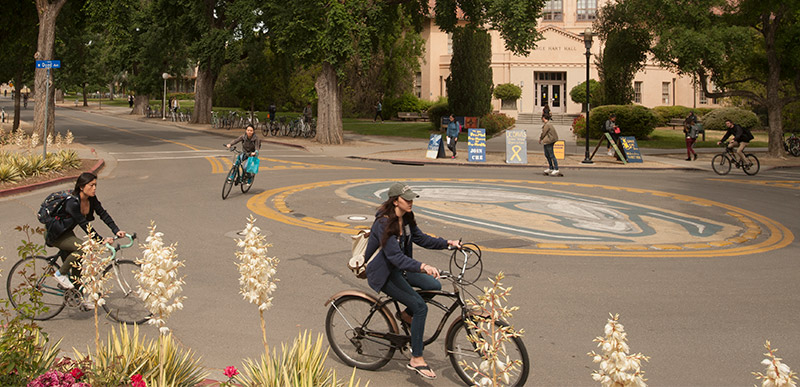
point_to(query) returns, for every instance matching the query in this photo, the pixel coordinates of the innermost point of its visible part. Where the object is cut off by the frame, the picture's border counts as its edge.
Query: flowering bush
(159, 283)
(230, 372)
(778, 374)
(617, 368)
(137, 381)
(56, 378)
(94, 281)
(496, 122)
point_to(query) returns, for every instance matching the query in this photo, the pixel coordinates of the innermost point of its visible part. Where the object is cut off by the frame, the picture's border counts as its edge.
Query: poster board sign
(631, 148)
(614, 146)
(471, 122)
(434, 144)
(476, 145)
(516, 146)
(559, 149)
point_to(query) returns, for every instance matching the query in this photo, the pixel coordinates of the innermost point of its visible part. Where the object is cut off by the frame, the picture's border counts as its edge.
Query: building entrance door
(550, 91)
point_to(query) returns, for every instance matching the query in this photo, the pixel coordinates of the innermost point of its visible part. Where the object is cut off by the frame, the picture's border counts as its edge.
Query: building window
(553, 10)
(702, 99)
(587, 9)
(418, 85)
(449, 44)
(637, 92)
(665, 93)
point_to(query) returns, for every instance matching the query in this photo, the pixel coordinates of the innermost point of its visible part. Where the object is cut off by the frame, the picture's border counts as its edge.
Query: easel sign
(631, 148)
(434, 147)
(608, 138)
(476, 145)
(560, 149)
(516, 147)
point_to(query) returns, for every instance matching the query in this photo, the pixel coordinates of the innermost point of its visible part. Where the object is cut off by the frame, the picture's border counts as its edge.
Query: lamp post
(164, 99)
(587, 40)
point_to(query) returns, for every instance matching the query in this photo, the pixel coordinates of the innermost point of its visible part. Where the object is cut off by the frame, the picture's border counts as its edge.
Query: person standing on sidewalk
(690, 130)
(378, 110)
(453, 129)
(548, 139)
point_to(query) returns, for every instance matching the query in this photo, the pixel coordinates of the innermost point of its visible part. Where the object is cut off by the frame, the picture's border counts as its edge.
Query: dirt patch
(86, 164)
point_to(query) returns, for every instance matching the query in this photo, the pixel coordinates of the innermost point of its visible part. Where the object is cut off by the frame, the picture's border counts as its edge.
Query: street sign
(48, 64)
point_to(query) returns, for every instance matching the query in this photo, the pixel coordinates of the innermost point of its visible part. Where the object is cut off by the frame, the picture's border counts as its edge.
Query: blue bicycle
(237, 175)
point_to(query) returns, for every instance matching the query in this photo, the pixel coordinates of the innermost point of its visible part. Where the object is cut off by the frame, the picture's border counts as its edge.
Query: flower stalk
(777, 374)
(256, 272)
(94, 282)
(617, 368)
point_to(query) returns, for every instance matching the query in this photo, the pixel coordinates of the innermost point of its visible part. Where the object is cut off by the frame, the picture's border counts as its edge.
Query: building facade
(558, 64)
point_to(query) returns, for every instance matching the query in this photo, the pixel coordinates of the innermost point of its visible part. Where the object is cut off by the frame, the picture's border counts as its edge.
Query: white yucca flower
(58, 140)
(490, 338)
(256, 271)
(777, 374)
(19, 138)
(158, 279)
(94, 282)
(617, 368)
(34, 140)
(68, 138)
(49, 138)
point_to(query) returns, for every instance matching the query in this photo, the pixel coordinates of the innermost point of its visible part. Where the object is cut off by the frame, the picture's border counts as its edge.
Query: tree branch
(703, 77)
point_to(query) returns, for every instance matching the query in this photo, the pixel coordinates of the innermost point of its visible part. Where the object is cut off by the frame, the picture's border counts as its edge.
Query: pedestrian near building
(614, 130)
(130, 101)
(690, 130)
(546, 111)
(453, 129)
(378, 110)
(548, 139)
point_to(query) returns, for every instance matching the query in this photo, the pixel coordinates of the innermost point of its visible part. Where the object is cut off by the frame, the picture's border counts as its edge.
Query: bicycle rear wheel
(247, 182)
(794, 147)
(721, 164)
(229, 179)
(33, 291)
(754, 167)
(462, 353)
(348, 335)
(123, 304)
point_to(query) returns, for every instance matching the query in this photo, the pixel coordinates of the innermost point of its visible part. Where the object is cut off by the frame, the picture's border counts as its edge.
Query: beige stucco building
(558, 64)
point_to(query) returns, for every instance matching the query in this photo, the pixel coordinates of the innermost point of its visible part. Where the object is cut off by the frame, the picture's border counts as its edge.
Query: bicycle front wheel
(348, 325)
(721, 164)
(123, 304)
(229, 179)
(794, 147)
(247, 182)
(463, 354)
(32, 289)
(754, 167)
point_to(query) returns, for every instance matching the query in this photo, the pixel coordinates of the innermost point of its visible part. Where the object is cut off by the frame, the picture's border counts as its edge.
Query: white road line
(171, 152)
(166, 158)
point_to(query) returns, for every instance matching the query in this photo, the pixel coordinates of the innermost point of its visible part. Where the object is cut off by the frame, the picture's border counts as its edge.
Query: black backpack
(52, 207)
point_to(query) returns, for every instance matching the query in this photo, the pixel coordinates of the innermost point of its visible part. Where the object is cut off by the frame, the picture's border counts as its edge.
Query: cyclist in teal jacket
(394, 271)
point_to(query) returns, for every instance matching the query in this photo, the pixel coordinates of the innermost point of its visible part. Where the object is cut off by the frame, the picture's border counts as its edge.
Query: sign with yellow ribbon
(516, 147)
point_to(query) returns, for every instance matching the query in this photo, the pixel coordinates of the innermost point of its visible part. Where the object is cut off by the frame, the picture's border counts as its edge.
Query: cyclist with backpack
(77, 209)
(394, 271)
(741, 138)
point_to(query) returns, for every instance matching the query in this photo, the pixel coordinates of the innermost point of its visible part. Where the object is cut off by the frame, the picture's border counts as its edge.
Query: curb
(523, 166)
(31, 187)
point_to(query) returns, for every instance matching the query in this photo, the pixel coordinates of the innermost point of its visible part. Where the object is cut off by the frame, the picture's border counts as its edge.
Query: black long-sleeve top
(72, 217)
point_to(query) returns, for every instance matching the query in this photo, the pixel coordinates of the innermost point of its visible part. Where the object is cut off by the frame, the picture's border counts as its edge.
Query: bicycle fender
(359, 293)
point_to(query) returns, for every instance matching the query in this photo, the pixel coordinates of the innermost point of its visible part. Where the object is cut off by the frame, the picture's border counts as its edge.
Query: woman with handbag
(251, 144)
(394, 271)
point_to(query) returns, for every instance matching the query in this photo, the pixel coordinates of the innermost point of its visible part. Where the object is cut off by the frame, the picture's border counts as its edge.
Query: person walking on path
(453, 129)
(690, 130)
(378, 110)
(546, 111)
(130, 101)
(548, 138)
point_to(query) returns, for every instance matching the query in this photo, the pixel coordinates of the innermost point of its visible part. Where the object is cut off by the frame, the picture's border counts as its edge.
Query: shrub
(496, 122)
(183, 96)
(634, 120)
(436, 111)
(579, 124)
(666, 113)
(507, 91)
(715, 119)
(578, 93)
(405, 103)
(791, 117)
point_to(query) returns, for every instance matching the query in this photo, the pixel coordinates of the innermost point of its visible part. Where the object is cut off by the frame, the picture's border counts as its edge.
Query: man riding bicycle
(741, 138)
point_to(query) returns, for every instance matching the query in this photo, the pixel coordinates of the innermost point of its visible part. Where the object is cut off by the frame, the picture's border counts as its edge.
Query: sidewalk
(404, 150)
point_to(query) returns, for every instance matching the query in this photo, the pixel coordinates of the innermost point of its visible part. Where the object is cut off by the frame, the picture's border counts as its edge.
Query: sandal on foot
(418, 369)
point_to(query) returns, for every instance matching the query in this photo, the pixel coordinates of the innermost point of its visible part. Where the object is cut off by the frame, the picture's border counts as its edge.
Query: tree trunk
(17, 98)
(85, 98)
(329, 106)
(203, 93)
(48, 12)
(140, 103)
(771, 21)
(111, 91)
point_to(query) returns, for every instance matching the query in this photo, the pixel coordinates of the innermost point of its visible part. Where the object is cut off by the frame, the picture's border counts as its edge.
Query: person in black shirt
(741, 138)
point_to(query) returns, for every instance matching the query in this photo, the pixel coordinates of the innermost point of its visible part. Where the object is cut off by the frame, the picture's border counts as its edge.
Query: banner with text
(433, 146)
(476, 145)
(516, 147)
(631, 148)
(559, 149)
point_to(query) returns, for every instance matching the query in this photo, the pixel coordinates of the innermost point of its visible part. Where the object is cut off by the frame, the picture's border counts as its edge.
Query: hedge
(436, 111)
(715, 119)
(507, 91)
(405, 103)
(495, 123)
(633, 120)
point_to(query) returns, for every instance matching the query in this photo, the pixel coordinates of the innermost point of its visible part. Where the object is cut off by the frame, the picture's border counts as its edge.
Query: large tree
(745, 48)
(18, 39)
(48, 11)
(469, 86)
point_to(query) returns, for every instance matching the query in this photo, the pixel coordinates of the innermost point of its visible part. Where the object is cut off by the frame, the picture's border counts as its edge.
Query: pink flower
(136, 381)
(76, 373)
(230, 371)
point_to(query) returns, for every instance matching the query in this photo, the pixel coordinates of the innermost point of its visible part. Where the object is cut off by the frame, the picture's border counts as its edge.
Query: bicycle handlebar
(118, 247)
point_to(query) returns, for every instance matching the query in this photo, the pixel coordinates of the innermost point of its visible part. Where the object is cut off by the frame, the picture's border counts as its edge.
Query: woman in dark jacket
(394, 271)
(79, 210)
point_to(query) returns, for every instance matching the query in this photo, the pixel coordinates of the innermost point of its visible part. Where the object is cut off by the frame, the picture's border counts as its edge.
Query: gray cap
(402, 190)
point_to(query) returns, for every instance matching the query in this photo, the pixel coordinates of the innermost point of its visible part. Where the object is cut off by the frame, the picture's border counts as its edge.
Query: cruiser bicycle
(237, 175)
(722, 162)
(31, 281)
(363, 332)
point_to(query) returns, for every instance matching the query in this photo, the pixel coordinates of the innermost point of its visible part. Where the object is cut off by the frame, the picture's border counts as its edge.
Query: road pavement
(701, 268)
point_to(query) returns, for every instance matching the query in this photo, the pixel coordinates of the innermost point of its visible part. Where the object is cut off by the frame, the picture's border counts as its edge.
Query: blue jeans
(552, 162)
(399, 287)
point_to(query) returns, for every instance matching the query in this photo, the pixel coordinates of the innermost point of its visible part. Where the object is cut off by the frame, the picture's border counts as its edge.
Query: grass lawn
(667, 138)
(393, 128)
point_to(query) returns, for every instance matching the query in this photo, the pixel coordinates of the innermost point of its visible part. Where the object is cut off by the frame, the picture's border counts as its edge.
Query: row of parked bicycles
(179, 115)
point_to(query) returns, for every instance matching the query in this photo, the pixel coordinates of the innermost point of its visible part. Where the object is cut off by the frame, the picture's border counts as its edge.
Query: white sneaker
(88, 305)
(548, 170)
(555, 172)
(610, 152)
(63, 280)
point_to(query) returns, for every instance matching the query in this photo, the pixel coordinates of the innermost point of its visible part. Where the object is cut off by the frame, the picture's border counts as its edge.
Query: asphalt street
(701, 268)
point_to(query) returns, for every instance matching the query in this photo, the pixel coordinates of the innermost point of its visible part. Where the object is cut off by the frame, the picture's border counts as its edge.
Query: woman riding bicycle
(79, 210)
(250, 143)
(394, 271)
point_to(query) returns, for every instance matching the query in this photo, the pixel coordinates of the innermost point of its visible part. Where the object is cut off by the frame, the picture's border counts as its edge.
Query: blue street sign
(48, 64)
